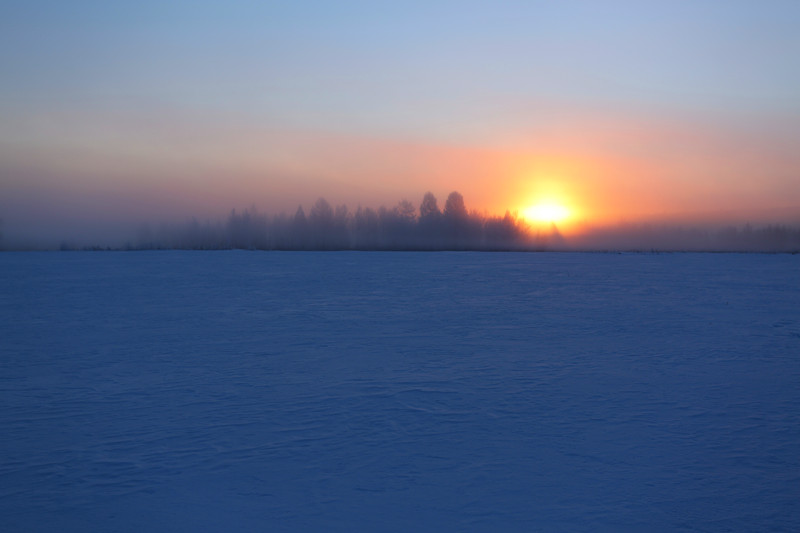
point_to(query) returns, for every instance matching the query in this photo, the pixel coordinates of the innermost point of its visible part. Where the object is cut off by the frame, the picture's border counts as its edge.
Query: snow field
(340, 391)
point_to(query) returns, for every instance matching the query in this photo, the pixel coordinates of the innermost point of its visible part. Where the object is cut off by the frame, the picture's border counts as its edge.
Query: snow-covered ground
(268, 391)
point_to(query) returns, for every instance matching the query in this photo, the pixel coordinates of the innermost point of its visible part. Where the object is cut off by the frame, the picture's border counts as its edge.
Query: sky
(117, 113)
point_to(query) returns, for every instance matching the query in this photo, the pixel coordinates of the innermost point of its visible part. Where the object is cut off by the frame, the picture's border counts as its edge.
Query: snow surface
(339, 391)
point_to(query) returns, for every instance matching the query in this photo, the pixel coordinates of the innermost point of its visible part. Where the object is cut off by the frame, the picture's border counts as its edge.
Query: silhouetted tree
(429, 208)
(321, 214)
(329, 227)
(366, 229)
(299, 238)
(405, 210)
(247, 229)
(460, 232)
(454, 207)
(503, 233)
(300, 216)
(340, 231)
(429, 227)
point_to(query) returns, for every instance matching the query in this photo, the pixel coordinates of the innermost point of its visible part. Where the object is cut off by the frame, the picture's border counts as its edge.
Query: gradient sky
(115, 113)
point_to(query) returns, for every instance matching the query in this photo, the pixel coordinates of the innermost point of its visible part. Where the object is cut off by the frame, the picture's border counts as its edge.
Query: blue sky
(403, 67)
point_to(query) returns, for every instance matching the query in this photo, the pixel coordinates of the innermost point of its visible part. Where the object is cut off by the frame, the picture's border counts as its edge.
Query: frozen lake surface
(268, 391)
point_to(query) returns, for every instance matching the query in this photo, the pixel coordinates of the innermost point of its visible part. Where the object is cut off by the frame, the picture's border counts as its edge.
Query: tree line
(325, 227)
(429, 227)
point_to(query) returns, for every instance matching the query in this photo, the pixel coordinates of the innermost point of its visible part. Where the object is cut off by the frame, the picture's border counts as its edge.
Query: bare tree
(405, 210)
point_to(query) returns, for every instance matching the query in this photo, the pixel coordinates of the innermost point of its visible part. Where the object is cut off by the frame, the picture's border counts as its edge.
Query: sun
(546, 212)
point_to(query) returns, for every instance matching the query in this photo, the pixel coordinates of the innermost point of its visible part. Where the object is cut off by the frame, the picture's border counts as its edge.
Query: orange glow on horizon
(546, 212)
(584, 175)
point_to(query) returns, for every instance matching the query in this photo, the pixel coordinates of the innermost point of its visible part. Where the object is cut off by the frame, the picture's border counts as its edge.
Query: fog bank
(404, 227)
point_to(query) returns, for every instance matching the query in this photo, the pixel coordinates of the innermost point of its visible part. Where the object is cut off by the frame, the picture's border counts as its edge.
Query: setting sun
(546, 212)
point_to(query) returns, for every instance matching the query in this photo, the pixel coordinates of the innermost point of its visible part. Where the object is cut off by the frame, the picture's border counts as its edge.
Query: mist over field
(402, 227)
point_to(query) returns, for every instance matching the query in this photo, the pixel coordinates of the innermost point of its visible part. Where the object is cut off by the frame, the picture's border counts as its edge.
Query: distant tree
(460, 232)
(321, 213)
(298, 238)
(340, 214)
(300, 216)
(324, 233)
(454, 207)
(429, 208)
(366, 228)
(430, 229)
(399, 226)
(405, 210)
(234, 229)
(247, 229)
(340, 231)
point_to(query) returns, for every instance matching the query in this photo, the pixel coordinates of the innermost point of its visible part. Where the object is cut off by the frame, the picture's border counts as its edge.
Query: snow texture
(340, 391)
